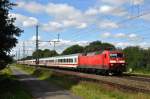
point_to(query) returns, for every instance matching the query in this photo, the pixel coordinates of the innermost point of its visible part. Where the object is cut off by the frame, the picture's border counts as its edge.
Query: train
(105, 62)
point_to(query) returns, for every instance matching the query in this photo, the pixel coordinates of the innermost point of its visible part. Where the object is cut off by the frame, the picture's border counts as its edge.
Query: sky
(119, 22)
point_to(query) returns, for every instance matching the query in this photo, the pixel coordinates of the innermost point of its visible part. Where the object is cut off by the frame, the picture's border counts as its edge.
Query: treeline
(136, 57)
(42, 54)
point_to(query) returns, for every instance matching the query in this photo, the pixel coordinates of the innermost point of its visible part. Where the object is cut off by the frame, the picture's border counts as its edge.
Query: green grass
(85, 89)
(10, 87)
(142, 71)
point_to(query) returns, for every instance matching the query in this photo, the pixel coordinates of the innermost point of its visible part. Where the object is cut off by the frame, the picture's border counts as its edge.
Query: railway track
(137, 78)
(127, 83)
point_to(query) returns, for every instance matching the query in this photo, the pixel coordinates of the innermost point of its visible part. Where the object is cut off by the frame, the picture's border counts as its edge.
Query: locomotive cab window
(116, 55)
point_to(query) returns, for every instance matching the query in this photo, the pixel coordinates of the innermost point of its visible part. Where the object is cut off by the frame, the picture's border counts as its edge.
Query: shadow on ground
(10, 88)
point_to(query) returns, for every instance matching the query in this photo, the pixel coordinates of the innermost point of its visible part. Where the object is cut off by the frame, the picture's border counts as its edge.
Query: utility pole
(19, 54)
(23, 51)
(16, 56)
(37, 46)
(56, 41)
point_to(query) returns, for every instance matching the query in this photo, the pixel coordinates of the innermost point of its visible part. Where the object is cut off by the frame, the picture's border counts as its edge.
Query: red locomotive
(107, 61)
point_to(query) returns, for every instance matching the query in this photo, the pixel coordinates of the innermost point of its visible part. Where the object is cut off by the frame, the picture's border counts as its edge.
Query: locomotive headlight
(111, 64)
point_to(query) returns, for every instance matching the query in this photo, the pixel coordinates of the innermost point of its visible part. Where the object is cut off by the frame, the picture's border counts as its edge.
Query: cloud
(59, 11)
(25, 21)
(91, 12)
(105, 9)
(34, 38)
(29, 22)
(129, 36)
(120, 35)
(115, 2)
(32, 7)
(52, 26)
(108, 24)
(112, 10)
(106, 35)
(122, 44)
(122, 2)
(138, 2)
(74, 23)
(134, 37)
(144, 45)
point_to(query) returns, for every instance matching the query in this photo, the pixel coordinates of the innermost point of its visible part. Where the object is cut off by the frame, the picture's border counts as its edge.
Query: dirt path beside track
(41, 89)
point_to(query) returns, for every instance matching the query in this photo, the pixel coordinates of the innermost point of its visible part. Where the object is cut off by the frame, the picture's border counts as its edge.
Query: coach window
(75, 60)
(67, 60)
(71, 60)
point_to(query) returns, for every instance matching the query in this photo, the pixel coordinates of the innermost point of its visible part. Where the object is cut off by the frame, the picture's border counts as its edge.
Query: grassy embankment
(85, 89)
(145, 72)
(10, 88)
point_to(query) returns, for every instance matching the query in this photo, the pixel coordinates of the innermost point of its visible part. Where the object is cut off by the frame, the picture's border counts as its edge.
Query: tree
(134, 57)
(73, 49)
(8, 33)
(38, 53)
(53, 53)
(98, 46)
(44, 53)
(49, 53)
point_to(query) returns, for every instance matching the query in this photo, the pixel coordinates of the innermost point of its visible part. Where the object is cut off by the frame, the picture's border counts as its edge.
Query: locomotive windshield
(116, 55)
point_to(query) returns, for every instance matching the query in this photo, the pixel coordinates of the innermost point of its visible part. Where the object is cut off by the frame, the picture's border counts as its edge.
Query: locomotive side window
(105, 55)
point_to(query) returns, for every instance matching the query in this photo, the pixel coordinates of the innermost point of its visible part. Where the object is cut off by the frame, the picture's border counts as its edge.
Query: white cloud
(52, 26)
(134, 37)
(146, 17)
(122, 44)
(25, 21)
(138, 2)
(144, 45)
(31, 7)
(105, 9)
(112, 10)
(91, 12)
(121, 2)
(74, 23)
(115, 2)
(29, 22)
(108, 24)
(120, 35)
(129, 36)
(62, 11)
(106, 35)
(34, 38)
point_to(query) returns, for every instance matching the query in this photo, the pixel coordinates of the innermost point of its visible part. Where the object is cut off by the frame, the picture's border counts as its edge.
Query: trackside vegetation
(10, 87)
(138, 59)
(82, 88)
